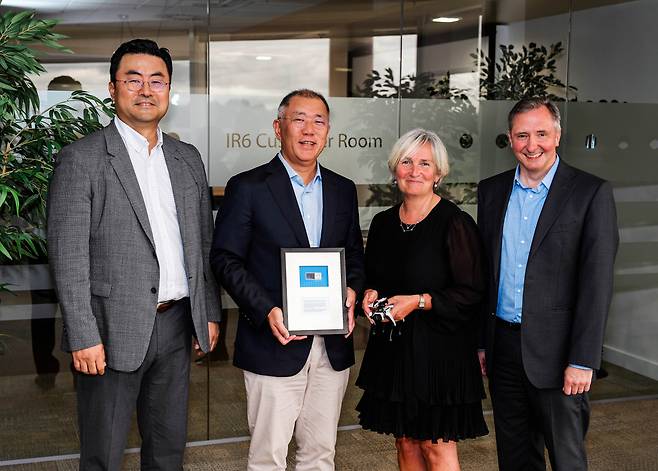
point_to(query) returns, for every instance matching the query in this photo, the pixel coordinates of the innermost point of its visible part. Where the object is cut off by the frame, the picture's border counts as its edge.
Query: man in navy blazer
(551, 237)
(294, 383)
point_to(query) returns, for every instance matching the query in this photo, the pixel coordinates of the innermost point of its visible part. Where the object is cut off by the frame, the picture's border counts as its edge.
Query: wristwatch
(421, 301)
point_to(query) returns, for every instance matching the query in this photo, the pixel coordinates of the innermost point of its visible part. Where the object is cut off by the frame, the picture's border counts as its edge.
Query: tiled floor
(622, 437)
(38, 422)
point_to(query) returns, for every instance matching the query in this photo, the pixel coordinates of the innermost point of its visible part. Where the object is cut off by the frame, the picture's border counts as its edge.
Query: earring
(394, 182)
(436, 185)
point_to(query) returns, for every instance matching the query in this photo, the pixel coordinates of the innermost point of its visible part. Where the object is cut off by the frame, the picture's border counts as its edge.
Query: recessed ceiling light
(263, 58)
(32, 4)
(446, 19)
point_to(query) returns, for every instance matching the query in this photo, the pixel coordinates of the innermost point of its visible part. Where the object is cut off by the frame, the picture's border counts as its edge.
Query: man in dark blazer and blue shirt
(551, 237)
(293, 383)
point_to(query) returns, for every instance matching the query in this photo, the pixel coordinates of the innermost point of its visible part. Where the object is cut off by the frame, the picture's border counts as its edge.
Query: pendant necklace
(410, 227)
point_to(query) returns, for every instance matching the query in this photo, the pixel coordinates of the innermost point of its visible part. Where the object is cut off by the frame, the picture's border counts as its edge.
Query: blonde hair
(409, 143)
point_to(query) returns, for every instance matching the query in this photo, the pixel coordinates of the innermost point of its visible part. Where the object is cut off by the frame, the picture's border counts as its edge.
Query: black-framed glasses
(300, 121)
(135, 85)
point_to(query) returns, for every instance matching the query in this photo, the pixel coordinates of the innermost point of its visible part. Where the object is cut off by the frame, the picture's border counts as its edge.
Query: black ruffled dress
(422, 378)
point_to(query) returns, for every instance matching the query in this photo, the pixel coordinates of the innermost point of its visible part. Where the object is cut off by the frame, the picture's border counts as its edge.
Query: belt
(166, 305)
(508, 325)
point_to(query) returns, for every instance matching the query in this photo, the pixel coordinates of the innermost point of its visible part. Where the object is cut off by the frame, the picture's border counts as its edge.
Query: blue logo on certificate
(314, 277)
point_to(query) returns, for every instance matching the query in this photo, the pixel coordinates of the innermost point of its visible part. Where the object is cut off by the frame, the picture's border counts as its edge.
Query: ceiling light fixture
(446, 19)
(263, 58)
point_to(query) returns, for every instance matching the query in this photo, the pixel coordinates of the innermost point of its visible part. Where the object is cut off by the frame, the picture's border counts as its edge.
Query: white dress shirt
(155, 185)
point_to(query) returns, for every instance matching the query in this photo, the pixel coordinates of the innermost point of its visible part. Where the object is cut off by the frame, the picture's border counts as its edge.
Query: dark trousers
(159, 390)
(43, 344)
(43, 335)
(527, 418)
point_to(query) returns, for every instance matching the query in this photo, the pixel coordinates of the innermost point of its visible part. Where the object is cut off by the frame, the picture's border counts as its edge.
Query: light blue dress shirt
(523, 210)
(309, 200)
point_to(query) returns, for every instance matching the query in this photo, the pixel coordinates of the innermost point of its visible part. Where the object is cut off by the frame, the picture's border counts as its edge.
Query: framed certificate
(314, 291)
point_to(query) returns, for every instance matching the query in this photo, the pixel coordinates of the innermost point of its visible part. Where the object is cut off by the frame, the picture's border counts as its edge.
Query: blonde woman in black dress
(420, 375)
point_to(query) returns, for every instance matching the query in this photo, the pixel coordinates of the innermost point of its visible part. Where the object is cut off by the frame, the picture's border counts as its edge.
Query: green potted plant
(530, 71)
(30, 137)
(29, 140)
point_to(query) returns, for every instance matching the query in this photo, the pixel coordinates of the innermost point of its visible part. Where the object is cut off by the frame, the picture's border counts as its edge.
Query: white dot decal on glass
(654, 144)
(623, 145)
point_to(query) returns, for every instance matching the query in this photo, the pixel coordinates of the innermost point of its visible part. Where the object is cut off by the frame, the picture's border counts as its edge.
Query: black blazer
(258, 217)
(569, 275)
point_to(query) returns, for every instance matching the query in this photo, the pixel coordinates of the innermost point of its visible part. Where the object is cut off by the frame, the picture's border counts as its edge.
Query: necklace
(410, 227)
(407, 227)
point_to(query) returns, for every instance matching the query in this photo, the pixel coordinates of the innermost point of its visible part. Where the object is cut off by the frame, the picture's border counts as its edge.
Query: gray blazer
(102, 252)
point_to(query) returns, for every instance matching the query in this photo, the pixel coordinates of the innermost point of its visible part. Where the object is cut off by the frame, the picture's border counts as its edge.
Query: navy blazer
(569, 275)
(258, 217)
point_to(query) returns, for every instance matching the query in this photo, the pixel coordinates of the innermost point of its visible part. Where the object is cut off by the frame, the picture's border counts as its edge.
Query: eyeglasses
(299, 122)
(135, 85)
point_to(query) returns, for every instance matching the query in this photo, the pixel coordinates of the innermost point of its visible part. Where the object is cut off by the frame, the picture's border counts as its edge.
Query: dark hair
(304, 93)
(529, 104)
(64, 82)
(139, 46)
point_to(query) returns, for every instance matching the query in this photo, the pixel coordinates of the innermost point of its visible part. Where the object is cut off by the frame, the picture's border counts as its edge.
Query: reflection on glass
(249, 69)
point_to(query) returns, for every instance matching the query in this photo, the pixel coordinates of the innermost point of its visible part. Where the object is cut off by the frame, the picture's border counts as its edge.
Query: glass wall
(386, 67)
(616, 109)
(36, 385)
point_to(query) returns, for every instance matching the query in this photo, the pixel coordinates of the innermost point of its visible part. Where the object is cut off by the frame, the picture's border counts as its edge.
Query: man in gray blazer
(550, 232)
(129, 233)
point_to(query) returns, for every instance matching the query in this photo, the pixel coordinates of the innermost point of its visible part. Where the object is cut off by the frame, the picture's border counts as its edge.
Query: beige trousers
(307, 404)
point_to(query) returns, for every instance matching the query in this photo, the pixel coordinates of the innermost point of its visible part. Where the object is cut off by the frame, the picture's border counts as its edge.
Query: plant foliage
(30, 137)
(424, 85)
(529, 72)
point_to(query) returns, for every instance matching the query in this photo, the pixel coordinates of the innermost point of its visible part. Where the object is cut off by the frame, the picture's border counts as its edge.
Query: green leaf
(3, 195)
(14, 195)
(4, 251)
(21, 16)
(29, 242)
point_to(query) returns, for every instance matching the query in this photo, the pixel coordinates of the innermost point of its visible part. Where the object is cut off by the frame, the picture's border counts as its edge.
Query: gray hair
(529, 104)
(304, 93)
(413, 140)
